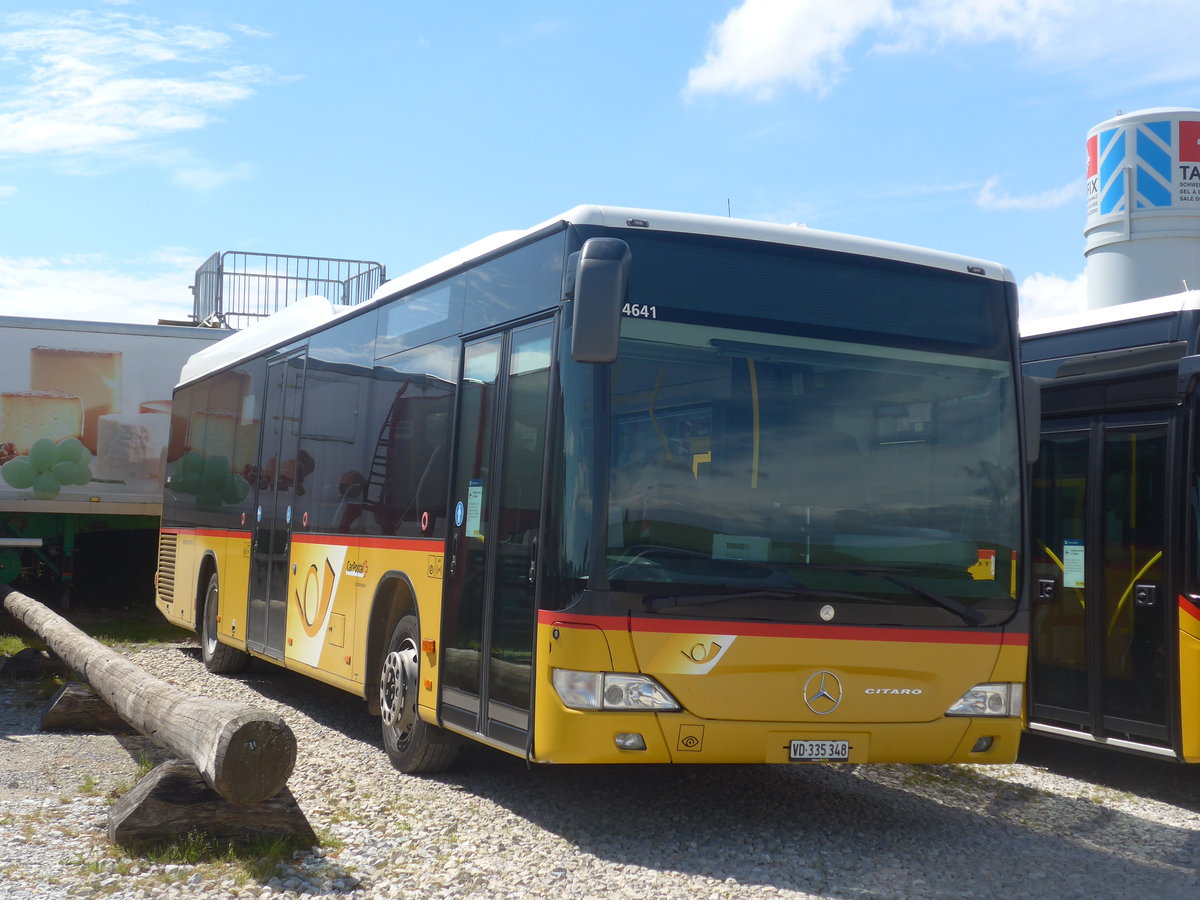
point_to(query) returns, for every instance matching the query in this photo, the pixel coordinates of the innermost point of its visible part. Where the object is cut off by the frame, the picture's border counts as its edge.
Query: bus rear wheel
(218, 658)
(412, 744)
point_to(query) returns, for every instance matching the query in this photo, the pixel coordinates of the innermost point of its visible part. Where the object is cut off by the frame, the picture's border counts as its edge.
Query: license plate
(819, 751)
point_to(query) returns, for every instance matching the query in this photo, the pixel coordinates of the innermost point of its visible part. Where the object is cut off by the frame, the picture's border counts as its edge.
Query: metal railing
(235, 288)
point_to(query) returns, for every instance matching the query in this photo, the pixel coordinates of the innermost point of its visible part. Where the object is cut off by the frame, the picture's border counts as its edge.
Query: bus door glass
(1100, 605)
(276, 483)
(488, 619)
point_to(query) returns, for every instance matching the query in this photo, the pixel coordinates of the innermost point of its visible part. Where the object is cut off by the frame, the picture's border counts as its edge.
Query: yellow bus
(629, 486)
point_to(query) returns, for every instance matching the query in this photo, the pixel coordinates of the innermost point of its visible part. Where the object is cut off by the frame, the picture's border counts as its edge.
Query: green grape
(191, 463)
(72, 450)
(65, 472)
(235, 490)
(19, 472)
(41, 454)
(45, 486)
(216, 470)
(71, 473)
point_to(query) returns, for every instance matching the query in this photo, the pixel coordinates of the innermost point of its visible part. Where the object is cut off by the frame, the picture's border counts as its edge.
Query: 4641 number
(640, 311)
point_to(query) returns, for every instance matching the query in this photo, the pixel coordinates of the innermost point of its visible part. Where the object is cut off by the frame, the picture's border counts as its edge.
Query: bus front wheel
(412, 744)
(219, 658)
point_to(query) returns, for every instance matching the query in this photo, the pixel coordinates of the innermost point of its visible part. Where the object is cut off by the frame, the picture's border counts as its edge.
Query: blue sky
(137, 137)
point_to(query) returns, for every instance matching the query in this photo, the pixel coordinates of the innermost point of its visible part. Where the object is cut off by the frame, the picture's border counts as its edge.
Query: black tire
(219, 658)
(413, 745)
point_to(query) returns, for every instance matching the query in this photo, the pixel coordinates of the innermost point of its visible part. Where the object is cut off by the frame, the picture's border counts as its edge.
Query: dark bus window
(331, 461)
(404, 492)
(516, 284)
(428, 315)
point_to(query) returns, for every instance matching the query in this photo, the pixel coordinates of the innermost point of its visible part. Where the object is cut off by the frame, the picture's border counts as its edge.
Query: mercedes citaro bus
(628, 486)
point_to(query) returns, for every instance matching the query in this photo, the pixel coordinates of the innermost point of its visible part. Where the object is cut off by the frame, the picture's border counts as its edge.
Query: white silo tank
(1143, 195)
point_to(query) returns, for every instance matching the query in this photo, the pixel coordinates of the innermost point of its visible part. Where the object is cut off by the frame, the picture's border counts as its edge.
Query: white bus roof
(312, 312)
(1108, 315)
(691, 223)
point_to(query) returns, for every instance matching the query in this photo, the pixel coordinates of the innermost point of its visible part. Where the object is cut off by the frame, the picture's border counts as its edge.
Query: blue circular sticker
(288, 516)
(259, 514)
(458, 514)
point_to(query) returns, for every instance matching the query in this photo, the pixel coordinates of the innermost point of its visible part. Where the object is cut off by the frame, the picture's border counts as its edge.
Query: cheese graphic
(26, 416)
(94, 376)
(218, 432)
(131, 446)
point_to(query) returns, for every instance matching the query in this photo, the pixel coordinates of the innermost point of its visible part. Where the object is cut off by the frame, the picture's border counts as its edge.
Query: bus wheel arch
(218, 658)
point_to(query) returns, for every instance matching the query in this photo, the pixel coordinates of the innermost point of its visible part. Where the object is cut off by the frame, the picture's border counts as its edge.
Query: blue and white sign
(458, 514)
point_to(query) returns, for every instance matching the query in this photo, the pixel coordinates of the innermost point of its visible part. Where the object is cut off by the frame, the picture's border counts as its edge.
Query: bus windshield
(754, 474)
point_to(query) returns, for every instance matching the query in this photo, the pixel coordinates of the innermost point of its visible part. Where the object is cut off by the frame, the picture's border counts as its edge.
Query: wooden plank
(76, 707)
(173, 801)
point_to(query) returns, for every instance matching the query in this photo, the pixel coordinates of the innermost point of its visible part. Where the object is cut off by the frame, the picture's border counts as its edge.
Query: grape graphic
(48, 467)
(209, 480)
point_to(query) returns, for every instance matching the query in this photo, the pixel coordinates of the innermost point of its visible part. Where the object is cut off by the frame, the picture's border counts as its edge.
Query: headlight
(989, 700)
(612, 690)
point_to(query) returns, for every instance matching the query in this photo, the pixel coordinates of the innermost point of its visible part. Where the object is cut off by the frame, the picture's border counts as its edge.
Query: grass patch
(38, 691)
(112, 632)
(11, 645)
(251, 860)
(119, 632)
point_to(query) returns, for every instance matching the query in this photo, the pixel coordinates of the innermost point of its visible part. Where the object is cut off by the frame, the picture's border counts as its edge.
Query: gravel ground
(1065, 822)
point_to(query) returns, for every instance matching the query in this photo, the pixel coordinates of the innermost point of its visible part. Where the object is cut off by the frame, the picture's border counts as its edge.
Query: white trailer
(85, 412)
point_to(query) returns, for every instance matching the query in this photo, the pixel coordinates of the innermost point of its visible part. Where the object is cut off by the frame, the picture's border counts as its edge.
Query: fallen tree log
(244, 754)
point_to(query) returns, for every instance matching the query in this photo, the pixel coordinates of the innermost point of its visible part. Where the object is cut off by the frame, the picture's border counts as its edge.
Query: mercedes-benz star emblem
(822, 692)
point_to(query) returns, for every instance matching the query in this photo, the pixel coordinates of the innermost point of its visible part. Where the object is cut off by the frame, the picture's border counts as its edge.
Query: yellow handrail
(1129, 590)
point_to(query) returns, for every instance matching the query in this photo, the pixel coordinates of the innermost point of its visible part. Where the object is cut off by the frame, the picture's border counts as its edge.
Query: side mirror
(601, 278)
(1032, 390)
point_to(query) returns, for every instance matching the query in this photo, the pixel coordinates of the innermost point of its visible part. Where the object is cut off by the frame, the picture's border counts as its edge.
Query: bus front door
(277, 482)
(492, 572)
(1098, 652)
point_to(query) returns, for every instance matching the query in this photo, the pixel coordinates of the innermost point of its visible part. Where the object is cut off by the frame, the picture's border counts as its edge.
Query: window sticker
(1072, 559)
(474, 506)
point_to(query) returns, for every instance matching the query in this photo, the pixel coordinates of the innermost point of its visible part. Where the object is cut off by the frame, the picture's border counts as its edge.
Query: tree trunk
(246, 755)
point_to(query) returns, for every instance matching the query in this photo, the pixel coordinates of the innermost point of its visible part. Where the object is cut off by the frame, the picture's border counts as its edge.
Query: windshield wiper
(967, 614)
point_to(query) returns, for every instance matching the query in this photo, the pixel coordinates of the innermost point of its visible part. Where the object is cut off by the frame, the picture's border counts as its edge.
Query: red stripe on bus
(785, 630)
(1189, 607)
(425, 545)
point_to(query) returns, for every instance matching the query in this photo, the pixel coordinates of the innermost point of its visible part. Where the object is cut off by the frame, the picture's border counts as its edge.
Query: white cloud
(88, 82)
(99, 289)
(991, 196)
(7, 190)
(765, 44)
(1042, 296)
